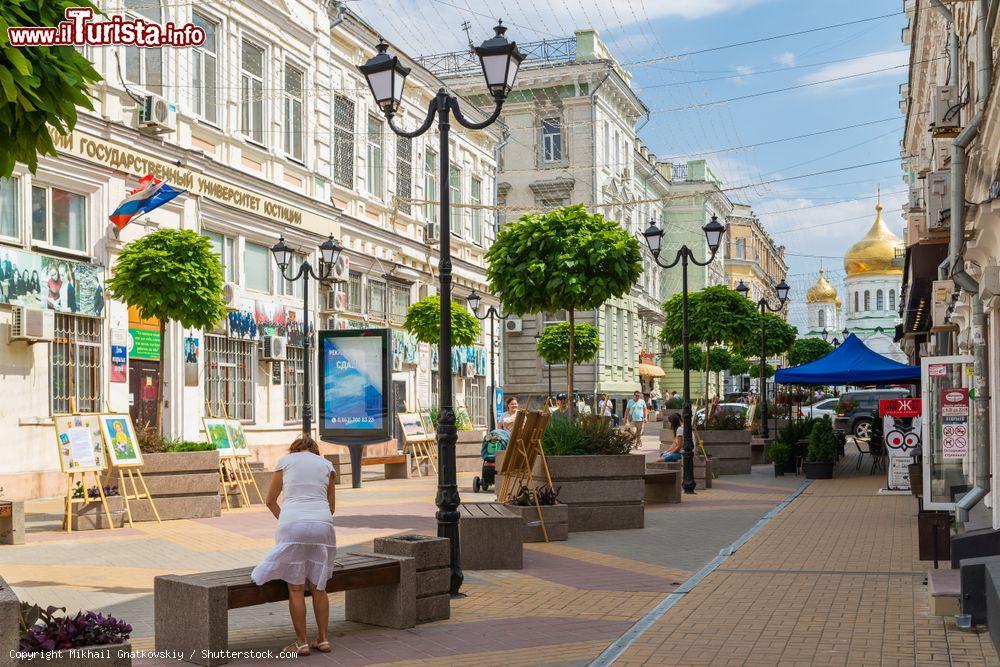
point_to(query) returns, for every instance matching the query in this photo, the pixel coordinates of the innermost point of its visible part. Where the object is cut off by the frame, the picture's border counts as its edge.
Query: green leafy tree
(423, 320)
(805, 350)
(779, 333)
(172, 275)
(696, 358)
(553, 344)
(41, 86)
(567, 259)
(754, 370)
(738, 365)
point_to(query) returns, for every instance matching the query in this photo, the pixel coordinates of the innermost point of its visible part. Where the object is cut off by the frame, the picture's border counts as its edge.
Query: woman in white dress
(306, 544)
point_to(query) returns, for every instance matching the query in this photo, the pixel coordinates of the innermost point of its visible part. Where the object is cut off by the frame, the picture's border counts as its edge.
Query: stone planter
(432, 557)
(91, 516)
(730, 449)
(184, 485)
(556, 518)
(10, 615)
(818, 469)
(106, 655)
(602, 492)
(12, 522)
(469, 450)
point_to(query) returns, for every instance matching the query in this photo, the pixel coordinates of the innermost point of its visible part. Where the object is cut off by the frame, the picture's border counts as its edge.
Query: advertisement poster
(955, 422)
(498, 403)
(257, 317)
(119, 434)
(119, 363)
(354, 381)
(192, 347)
(901, 436)
(80, 443)
(424, 374)
(38, 281)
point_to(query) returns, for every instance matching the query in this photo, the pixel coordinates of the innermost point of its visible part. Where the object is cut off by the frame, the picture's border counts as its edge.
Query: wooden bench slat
(248, 594)
(383, 460)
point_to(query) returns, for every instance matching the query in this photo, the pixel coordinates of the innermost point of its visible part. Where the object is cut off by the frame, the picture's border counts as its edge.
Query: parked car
(722, 408)
(858, 420)
(826, 407)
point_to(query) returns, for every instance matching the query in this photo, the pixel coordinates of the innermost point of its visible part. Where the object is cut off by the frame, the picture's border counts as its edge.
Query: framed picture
(217, 432)
(463, 422)
(238, 438)
(429, 430)
(119, 435)
(412, 425)
(81, 447)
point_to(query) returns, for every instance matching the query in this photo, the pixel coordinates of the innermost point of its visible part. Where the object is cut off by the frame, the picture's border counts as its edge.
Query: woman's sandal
(322, 647)
(300, 649)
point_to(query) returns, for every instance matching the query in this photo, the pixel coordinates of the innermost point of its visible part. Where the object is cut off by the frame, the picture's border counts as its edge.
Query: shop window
(291, 287)
(58, 218)
(879, 300)
(430, 185)
(374, 161)
(399, 300)
(475, 396)
(354, 292)
(144, 67)
(293, 112)
(376, 299)
(205, 70)
(292, 371)
(343, 141)
(455, 189)
(252, 91)
(404, 173)
(75, 365)
(8, 209)
(257, 267)
(230, 364)
(476, 200)
(222, 246)
(552, 146)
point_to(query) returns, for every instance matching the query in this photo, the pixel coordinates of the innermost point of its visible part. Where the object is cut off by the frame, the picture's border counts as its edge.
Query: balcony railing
(679, 172)
(543, 52)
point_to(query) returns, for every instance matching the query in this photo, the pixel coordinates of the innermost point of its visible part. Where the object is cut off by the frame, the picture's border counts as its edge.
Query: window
(868, 300)
(354, 292)
(621, 338)
(75, 365)
(230, 364)
(293, 112)
(204, 69)
(374, 162)
(606, 140)
(551, 140)
(455, 188)
(222, 246)
(291, 287)
(58, 218)
(292, 372)
(144, 67)
(879, 300)
(629, 342)
(404, 173)
(399, 300)
(376, 299)
(256, 267)
(892, 299)
(741, 248)
(618, 155)
(856, 308)
(476, 199)
(8, 208)
(430, 184)
(252, 91)
(608, 347)
(343, 141)
(821, 318)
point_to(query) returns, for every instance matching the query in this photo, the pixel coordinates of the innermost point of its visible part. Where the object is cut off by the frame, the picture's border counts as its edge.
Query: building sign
(119, 363)
(128, 160)
(955, 422)
(901, 437)
(39, 281)
(937, 371)
(143, 344)
(354, 378)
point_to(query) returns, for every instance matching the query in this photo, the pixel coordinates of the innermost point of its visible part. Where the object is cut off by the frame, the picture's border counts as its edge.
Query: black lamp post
(329, 253)
(500, 60)
(825, 334)
(713, 236)
(836, 343)
(492, 314)
(846, 333)
(782, 289)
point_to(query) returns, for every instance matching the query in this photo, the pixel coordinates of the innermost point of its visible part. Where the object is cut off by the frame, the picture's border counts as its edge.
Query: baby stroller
(493, 442)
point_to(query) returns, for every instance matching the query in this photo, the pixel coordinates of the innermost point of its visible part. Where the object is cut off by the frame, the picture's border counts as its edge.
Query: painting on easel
(217, 431)
(79, 440)
(119, 434)
(412, 425)
(238, 438)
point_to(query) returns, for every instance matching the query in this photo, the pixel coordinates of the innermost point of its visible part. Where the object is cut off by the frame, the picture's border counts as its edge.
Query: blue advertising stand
(355, 381)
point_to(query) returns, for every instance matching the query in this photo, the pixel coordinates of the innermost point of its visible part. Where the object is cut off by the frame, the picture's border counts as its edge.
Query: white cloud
(787, 59)
(744, 70)
(870, 63)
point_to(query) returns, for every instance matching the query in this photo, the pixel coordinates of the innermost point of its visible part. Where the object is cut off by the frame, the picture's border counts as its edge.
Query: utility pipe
(593, 133)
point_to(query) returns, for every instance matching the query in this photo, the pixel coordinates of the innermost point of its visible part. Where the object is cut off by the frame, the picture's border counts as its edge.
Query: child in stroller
(493, 442)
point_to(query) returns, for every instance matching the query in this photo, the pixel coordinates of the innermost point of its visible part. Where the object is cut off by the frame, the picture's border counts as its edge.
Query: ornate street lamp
(500, 60)
(329, 253)
(825, 334)
(654, 239)
(836, 343)
(782, 290)
(474, 301)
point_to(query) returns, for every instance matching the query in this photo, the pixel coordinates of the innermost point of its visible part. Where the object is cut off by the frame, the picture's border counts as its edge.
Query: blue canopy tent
(851, 363)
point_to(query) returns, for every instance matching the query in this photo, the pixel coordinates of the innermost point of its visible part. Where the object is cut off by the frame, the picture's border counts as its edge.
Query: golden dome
(822, 291)
(874, 254)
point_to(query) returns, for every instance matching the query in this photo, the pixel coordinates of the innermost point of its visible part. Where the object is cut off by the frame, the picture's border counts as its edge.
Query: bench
(191, 612)
(396, 467)
(11, 522)
(663, 486)
(490, 537)
(943, 589)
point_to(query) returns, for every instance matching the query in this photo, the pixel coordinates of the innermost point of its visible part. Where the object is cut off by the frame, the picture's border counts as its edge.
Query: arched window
(856, 309)
(821, 322)
(892, 299)
(868, 301)
(879, 300)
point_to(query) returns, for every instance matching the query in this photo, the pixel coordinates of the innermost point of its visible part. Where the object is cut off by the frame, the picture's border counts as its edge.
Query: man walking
(637, 411)
(606, 408)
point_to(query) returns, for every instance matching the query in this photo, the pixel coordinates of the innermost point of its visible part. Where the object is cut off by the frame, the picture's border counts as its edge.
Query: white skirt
(303, 551)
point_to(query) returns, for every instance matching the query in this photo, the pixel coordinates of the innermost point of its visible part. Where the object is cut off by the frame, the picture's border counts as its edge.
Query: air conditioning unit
(157, 116)
(231, 295)
(946, 112)
(432, 232)
(916, 199)
(941, 299)
(513, 325)
(335, 301)
(989, 283)
(32, 324)
(275, 348)
(342, 269)
(938, 200)
(469, 370)
(336, 323)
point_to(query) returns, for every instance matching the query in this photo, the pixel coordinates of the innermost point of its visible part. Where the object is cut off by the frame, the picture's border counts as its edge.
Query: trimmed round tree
(553, 344)
(696, 358)
(423, 320)
(779, 334)
(738, 365)
(172, 275)
(805, 350)
(565, 259)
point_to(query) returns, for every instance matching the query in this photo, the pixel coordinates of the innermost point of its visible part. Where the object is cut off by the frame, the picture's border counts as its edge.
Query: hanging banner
(955, 422)
(901, 437)
(51, 283)
(119, 363)
(354, 378)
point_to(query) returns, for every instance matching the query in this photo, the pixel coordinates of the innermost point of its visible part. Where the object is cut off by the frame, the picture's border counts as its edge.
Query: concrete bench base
(432, 559)
(943, 590)
(663, 486)
(490, 537)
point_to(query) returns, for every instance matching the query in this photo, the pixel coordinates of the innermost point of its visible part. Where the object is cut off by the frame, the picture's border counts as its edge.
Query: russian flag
(151, 194)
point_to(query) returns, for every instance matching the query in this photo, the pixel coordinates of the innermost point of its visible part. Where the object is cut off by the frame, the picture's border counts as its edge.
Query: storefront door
(948, 429)
(144, 391)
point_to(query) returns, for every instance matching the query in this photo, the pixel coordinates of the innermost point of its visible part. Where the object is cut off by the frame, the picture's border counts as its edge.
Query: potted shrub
(85, 639)
(554, 513)
(779, 453)
(795, 435)
(727, 440)
(822, 451)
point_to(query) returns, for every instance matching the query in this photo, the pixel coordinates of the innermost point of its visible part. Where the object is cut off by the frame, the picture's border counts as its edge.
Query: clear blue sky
(639, 30)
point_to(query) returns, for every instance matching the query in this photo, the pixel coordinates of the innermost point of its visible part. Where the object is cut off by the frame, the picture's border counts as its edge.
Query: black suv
(858, 421)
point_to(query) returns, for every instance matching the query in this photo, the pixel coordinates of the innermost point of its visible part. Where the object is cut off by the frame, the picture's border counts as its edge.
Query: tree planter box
(91, 516)
(818, 470)
(184, 485)
(602, 492)
(469, 451)
(106, 655)
(730, 449)
(556, 518)
(10, 615)
(432, 557)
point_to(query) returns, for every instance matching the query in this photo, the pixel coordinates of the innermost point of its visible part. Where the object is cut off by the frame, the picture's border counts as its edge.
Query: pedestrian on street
(606, 408)
(673, 452)
(562, 405)
(637, 412)
(305, 543)
(509, 414)
(655, 395)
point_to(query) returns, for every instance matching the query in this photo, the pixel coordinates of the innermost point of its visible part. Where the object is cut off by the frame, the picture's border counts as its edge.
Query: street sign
(955, 422)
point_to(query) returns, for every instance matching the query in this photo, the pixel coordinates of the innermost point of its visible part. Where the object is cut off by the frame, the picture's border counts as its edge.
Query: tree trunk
(569, 364)
(159, 389)
(708, 350)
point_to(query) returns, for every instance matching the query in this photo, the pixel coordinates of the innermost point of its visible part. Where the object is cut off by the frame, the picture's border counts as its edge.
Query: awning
(923, 260)
(651, 371)
(851, 363)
